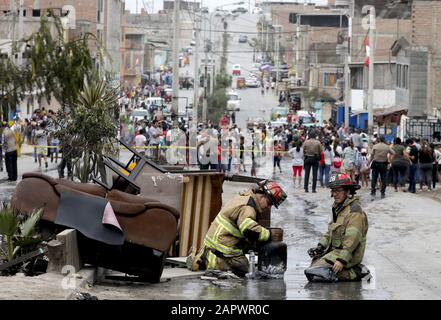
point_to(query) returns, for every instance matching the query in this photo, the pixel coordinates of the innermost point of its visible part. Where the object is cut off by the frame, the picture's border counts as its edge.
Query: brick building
(149, 43)
(310, 38)
(418, 57)
(426, 33)
(392, 22)
(99, 17)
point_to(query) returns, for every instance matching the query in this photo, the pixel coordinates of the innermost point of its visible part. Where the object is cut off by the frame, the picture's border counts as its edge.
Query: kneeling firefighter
(235, 229)
(340, 252)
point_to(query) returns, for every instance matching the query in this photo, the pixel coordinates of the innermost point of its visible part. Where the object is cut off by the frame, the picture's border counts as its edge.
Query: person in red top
(219, 158)
(289, 117)
(224, 121)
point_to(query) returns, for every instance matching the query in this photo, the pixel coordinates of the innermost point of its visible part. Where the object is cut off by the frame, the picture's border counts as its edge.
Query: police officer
(235, 229)
(340, 252)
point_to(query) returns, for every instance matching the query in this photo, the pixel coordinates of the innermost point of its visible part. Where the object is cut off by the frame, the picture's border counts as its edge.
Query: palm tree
(17, 233)
(90, 127)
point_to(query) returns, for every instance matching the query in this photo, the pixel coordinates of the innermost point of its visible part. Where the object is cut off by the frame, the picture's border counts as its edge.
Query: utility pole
(371, 69)
(204, 106)
(13, 8)
(176, 24)
(267, 39)
(297, 47)
(20, 34)
(196, 72)
(277, 30)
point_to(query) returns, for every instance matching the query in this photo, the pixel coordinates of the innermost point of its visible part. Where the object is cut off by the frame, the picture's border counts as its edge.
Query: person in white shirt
(41, 136)
(155, 133)
(140, 141)
(297, 162)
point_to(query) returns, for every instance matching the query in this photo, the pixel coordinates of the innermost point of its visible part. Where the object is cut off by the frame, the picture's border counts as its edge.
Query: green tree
(223, 80)
(90, 126)
(66, 70)
(217, 104)
(53, 67)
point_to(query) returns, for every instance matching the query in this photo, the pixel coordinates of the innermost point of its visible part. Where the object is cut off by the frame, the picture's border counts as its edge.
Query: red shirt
(224, 121)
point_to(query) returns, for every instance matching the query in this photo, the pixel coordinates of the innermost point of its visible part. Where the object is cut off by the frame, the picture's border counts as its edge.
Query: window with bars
(402, 76)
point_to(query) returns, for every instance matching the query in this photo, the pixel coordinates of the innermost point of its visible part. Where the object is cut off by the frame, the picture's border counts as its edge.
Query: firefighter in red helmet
(235, 225)
(339, 254)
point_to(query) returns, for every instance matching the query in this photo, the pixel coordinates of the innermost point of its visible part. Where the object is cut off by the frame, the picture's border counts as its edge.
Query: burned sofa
(117, 230)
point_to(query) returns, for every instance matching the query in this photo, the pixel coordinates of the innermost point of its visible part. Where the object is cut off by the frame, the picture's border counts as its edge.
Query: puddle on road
(300, 233)
(303, 224)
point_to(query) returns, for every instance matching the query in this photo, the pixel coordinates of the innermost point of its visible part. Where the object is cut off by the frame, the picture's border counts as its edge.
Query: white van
(139, 115)
(157, 101)
(233, 103)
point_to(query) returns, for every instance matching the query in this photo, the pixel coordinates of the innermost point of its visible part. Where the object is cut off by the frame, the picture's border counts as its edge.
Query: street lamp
(206, 53)
(204, 107)
(221, 6)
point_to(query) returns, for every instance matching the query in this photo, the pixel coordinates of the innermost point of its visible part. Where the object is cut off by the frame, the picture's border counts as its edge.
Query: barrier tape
(168, 147)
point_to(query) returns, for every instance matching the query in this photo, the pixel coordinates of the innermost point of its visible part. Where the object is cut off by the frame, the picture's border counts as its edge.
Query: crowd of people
(326, 150)
(223, 146)
(38, 132)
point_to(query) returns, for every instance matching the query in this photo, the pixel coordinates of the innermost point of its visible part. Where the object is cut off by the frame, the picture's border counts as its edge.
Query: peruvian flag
(368, 51)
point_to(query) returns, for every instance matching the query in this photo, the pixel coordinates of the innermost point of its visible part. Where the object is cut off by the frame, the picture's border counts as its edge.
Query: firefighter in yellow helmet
(235, 228)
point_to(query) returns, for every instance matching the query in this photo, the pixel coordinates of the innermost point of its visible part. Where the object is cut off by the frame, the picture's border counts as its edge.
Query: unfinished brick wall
(426, 32)
(387, 32)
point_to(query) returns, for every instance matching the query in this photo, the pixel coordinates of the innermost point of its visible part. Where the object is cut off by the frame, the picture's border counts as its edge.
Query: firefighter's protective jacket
(345, 240)
(235, 223)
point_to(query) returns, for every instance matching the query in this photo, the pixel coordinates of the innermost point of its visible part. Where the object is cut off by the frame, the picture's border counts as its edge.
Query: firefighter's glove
(317, 251)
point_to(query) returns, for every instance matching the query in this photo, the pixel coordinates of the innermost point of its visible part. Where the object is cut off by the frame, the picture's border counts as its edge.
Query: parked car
(257, 10)
(222, 13)
(256, 122)
(243, 39)
(305, 118)
(157, 101)
(188, 50)
(256, 66)
(233, 103)
(236, 70)
(239, 10)
(192, 43)
(252, 82)
(204, 10)
(278, 113)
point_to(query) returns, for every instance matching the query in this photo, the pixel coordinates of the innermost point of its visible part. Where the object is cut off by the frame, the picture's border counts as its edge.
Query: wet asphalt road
(303, 217)
(403, 247)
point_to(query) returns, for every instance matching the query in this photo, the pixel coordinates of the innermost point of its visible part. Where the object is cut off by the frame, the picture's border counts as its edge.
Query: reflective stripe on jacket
(234, 223)
(346, 237)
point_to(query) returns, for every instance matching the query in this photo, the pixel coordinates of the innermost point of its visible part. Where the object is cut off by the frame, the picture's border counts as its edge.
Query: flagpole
(347, 70)
(371, 69)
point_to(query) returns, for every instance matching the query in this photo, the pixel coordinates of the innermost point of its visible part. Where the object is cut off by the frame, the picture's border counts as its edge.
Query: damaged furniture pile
(147, 213)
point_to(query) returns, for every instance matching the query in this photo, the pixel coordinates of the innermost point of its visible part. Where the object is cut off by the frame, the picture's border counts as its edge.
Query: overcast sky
(211, 4)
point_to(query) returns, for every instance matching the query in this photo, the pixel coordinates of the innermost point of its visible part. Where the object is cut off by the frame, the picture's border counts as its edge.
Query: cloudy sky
(155, 5)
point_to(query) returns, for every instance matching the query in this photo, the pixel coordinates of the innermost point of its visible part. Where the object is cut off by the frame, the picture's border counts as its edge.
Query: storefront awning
(389, 115)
